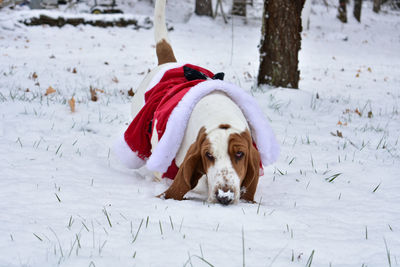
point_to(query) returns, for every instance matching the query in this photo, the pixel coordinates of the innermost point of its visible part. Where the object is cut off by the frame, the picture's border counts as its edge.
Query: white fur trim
(170, 142)
(125, 154)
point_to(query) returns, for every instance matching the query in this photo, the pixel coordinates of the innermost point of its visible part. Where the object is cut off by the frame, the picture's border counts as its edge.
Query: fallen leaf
(50, 90)
(339, 123)
(71, 104)
(93, 95)
(369, 69)
(339, 134)
(370, 114)
(34, 76)
(74, 70)
(357, 75)
(27, 90)
(130, 92)
(115, 79)
(358, 112)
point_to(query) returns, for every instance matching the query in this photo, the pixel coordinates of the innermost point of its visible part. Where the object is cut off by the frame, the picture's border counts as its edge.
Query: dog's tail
(164, 50)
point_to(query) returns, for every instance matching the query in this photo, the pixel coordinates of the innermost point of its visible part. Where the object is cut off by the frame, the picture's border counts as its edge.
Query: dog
(211, 138)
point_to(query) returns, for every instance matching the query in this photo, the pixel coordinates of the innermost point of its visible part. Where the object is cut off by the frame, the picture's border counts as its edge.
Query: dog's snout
(225, 196)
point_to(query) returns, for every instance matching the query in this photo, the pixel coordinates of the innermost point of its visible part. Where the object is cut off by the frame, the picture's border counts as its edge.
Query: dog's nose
(224, 197)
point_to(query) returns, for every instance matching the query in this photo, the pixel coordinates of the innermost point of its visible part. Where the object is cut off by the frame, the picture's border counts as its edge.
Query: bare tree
(342, 12)
(280, 43)
(377, 6)
(203, 8)
(357, 10)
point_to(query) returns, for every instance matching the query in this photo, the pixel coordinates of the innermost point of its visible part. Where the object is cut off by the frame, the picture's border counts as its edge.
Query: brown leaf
(370, 114)
(34, 76)
(357, 75)
(339, 123)
(115, 79)
(50, 90)
(369, 69)
(130, 92)
(71, 104)
(93, 94)
(339, 134)
(74, 70)
(358, 112)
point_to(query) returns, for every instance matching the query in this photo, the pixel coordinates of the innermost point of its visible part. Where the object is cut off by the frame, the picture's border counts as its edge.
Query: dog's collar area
(192, 74)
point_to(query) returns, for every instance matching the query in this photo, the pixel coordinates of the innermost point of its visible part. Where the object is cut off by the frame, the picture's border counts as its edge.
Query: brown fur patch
(192, 168)
(238, 143)
(248, 166)
(224, 126)
(164, 51)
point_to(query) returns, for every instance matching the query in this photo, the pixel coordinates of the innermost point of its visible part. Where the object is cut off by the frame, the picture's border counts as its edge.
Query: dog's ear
(190, 170)
(250, 181)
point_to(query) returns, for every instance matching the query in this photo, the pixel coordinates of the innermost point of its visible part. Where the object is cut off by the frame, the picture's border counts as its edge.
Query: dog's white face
(228, 159)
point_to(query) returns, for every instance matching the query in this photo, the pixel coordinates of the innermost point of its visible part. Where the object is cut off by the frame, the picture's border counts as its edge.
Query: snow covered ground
(333, 197)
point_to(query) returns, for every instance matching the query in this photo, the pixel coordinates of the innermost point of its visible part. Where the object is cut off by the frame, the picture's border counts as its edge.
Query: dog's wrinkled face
(225, 159)
(228, 159)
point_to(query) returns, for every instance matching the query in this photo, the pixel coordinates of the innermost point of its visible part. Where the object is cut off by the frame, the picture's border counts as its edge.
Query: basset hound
(205, 134)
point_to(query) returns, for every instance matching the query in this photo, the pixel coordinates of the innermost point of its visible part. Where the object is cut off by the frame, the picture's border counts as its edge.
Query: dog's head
(229, 160)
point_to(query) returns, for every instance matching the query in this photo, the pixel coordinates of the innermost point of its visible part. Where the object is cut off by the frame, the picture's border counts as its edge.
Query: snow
(228, 194)
(66, 200)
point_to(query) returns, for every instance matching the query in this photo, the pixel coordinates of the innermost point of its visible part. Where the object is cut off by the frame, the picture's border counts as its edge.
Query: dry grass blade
(331, 178)
(309, 261)
(71, 104)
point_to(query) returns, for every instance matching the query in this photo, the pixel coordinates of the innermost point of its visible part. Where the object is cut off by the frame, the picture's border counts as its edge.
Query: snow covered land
(332, 198)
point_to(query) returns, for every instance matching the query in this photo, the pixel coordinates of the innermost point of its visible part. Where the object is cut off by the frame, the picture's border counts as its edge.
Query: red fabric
(172, 171)
(159, 103)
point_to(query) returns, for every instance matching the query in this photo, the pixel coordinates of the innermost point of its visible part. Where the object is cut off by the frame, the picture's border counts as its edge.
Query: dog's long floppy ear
(250, 181)
(189, 172)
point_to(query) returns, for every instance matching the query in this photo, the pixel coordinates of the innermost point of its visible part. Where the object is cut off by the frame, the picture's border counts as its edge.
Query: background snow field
(332, 198)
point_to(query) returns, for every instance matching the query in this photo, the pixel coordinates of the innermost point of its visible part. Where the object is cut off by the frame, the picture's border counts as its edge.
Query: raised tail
(164, 50)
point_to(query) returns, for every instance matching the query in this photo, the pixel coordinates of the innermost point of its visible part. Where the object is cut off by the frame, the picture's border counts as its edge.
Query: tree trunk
(239, 8)
(377, 6)
(342, 13)
(357, 10)
(280, 43)
(203, 8)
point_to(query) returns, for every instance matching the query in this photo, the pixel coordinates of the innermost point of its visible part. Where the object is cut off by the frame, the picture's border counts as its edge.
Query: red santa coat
(170, 102)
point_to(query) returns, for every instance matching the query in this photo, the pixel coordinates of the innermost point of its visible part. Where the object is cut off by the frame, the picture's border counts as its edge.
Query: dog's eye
(239, 155)
(209, 156)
